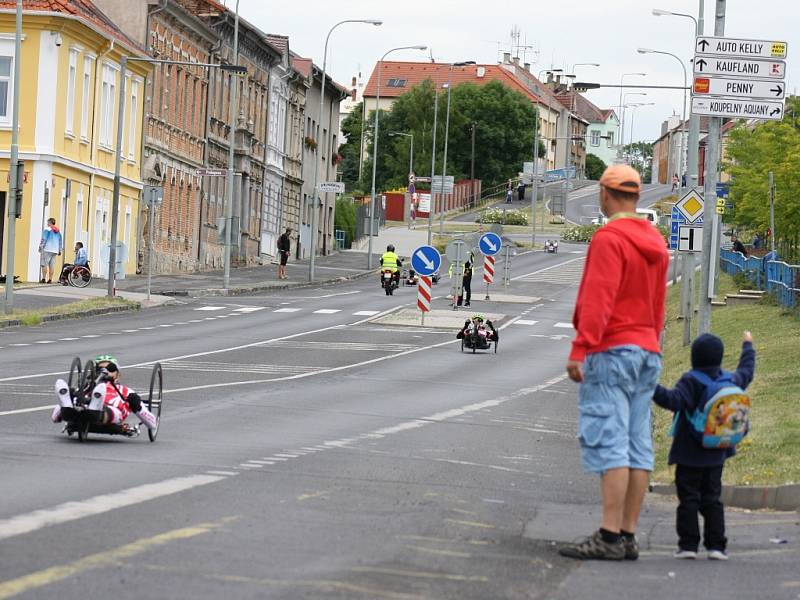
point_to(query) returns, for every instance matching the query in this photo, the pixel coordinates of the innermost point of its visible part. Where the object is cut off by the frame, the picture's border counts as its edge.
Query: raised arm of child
(747, 362)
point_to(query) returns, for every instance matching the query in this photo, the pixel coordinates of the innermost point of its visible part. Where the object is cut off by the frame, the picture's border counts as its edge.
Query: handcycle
(81, 420)
(473, 340)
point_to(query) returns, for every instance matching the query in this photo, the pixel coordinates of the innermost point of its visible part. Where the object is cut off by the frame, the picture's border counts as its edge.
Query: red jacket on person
(621, 299)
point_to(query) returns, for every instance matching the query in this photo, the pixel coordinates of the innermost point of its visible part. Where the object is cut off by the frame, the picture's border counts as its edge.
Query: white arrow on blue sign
(490, 244)
(426, 260)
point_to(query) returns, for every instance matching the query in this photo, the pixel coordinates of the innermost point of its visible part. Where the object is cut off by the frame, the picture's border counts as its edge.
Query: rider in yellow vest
(391, 262)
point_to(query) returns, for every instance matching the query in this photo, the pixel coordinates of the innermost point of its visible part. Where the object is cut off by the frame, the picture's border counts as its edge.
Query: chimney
(528, 67)
(549, 77)
(506, 58)
(516, 61)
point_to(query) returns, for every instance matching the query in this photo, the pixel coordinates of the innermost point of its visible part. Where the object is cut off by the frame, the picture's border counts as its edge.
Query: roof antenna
(431, 55)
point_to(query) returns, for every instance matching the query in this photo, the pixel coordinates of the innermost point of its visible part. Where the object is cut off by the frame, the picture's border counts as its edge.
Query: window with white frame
(79, 216)
(107, 105)
(132, 126)
(86, 97)
(127, 238)
(610, 139)
(6, 97)
(72, 80)
(595, 137)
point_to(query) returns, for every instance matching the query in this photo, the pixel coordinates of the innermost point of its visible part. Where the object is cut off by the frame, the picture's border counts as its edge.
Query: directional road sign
(722, 46)
(690, 238)
(490, 244)
(691, 206)
(738, 108)
(426, 260)
(739, 88)
(739, 67)
(336, 187)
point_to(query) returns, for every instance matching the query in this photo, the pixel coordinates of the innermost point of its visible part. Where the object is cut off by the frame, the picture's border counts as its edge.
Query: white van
(651, 215)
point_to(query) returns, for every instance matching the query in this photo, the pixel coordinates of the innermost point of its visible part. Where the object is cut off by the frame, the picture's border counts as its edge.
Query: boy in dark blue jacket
(698, 474)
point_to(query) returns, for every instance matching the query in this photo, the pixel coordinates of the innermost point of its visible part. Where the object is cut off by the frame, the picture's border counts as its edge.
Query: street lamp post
(569, 132)
(433, 161)
(234, 116)
(623, 108)
(534, 176)
(375, 147)
(411, 153)
(621, 116)
(633, 113)
(314, 195)
(682, 158)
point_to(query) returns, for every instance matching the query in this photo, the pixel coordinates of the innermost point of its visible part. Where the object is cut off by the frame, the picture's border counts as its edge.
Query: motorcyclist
(480, 325)
(391, 262)
(117, 401)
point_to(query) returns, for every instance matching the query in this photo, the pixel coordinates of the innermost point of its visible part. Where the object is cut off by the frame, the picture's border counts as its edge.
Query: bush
(345, 219)
(579, 233)
(504, 217)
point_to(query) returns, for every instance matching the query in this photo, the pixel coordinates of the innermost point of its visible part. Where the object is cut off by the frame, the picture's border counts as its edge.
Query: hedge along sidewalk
(72, 310)
(770, 454)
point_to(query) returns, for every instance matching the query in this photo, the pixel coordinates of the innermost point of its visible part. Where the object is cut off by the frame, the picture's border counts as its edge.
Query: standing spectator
(738, 246)
(756, 241)
(616, 358)
(521, 191)
(50, 246)
(509, 192)
(284, 247)
(466, 281)
(412, 210)
(675, 182)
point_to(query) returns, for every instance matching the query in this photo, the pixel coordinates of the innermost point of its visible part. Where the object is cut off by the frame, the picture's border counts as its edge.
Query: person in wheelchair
(81, 260)
(480, 330)
(117, 401)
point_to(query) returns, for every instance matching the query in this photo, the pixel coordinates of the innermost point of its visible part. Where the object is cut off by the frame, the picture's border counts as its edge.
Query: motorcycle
(388, 281)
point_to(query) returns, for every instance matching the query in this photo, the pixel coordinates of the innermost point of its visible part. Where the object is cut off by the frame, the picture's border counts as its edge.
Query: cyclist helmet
(478, 317)
(390, 248)
(106, 358)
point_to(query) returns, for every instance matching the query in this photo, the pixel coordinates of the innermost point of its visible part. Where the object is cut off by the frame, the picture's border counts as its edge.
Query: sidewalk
(405, 240)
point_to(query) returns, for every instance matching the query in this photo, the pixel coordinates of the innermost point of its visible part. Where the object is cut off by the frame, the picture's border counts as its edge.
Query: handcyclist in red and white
(117, 401)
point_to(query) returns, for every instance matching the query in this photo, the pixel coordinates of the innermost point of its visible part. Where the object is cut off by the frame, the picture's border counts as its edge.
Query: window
(72, 76)
(79, 217)
(610, 139)
(127, 238)
(397, 83)
(86, 98)
(595, 137)
(133, 120)
(107, 104)
(6, 67)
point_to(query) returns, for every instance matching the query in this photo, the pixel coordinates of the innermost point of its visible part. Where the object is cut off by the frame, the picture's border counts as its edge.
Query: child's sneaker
(717, 555)
(62, 392)
(685, 554)
(98, 397)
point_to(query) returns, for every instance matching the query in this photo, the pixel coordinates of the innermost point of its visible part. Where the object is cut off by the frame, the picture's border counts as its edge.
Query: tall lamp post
(375, 146)
(433, 161)
(633, 108)
(228, 212)
(569, 132)
(623, 107)
(314, 194)
(621, 116)
(534, 176)
(682, 159)
(411, 153)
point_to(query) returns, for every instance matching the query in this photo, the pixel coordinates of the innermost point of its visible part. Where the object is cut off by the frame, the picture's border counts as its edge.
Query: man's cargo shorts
(614, 401)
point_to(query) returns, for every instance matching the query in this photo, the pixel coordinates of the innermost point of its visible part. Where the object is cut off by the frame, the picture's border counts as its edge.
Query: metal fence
(362, 218)
(776, 277)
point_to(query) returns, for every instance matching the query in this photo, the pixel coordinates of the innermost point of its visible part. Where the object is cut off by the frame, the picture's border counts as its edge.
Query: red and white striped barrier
(488, 269)
(424, 294)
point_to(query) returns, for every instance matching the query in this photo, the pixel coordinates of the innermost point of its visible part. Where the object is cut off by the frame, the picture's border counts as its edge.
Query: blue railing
(776, 277)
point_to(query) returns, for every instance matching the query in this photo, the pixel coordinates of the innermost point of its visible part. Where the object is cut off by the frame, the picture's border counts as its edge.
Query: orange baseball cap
(622, 178)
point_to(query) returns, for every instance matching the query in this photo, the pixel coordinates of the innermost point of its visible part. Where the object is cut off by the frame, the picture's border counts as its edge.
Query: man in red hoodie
(616, 358)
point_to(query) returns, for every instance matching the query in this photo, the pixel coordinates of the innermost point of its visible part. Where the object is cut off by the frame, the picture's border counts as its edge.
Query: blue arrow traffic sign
(490, 244)
(426, 260)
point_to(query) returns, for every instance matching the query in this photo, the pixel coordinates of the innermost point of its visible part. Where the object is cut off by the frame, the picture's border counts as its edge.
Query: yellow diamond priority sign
(691, 206)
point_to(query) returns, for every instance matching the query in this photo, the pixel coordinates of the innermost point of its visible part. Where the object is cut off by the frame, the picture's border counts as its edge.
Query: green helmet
(106, 358)
(478, 317)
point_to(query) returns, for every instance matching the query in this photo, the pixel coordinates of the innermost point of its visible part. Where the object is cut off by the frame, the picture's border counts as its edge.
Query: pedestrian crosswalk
(566, 273)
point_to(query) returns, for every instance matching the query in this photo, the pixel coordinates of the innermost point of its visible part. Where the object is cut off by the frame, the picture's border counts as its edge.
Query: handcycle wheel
(88, 379)
(83, 431)
(80, 277)
(495, 346)
(474, 344)
(155, 398)
(75, 373)
(462, 344)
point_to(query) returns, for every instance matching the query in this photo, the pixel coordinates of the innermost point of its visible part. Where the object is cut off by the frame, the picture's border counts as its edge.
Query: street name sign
(738, 108)
(756, 89)
(426, 260)
(490, 244)
(690, 238)
(337, 187)
(211, 172)
(709, 45)
(738, 66)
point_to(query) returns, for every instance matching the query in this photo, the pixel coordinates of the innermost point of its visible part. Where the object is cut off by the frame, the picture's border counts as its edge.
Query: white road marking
(526, 322)
(327, 311)
(249, 466)
(226, 473)
(286, 455)
(365, 313)
(18, 345)
(146, 328)
(576, 251)
(561, 264)
(210, 319)
(211, 308)
(127, 331)
(45, 342)
(249, 309)
(73, 339)
(167, 325)
(275, 458)
(91, 335)
(261, 462)
(181, 323)
(71, 511)
(286, 310)
(563, 325)
(196, 321)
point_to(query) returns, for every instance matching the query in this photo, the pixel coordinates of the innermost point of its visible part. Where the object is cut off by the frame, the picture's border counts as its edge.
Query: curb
(238, 291)
(4, 324)
(767, 497)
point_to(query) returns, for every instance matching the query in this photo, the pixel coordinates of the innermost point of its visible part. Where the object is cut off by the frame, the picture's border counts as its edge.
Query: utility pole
(433, 162)
(226, 276)
(472, 169)
(772, 211)
(444, 160)
(15, 182)
(534, 176)
(710, 217)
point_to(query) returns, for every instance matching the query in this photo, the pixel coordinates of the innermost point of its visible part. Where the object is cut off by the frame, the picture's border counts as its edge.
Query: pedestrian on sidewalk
(412, 209)
(698, 471)
(521, 191)
(284, 248)
(616, 358)
(50, 246)
(509, 192)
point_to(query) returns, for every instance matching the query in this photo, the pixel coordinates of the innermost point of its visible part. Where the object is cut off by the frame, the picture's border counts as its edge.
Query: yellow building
(69, 99)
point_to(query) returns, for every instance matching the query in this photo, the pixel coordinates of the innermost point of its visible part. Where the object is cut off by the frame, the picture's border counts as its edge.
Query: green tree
(641, 157)
(350, 150)
(594, 166)
(754, 151)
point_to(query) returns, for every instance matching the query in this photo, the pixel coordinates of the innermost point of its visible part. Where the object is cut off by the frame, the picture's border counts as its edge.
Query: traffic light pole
(15, 185)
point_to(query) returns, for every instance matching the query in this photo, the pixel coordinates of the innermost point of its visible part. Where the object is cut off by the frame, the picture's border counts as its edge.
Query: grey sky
(563, 33)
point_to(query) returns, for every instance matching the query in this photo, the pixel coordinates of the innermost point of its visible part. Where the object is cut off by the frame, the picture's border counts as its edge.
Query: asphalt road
(306, 452)
(583, 205)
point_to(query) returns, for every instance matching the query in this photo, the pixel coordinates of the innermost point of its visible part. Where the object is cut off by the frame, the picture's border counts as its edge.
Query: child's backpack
(722, 419)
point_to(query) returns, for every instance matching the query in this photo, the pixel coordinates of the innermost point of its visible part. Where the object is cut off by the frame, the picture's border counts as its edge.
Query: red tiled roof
(302, 65)
(84, 9)
(607, 112)
(281, 42)
(415, 73)
(582, 107)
